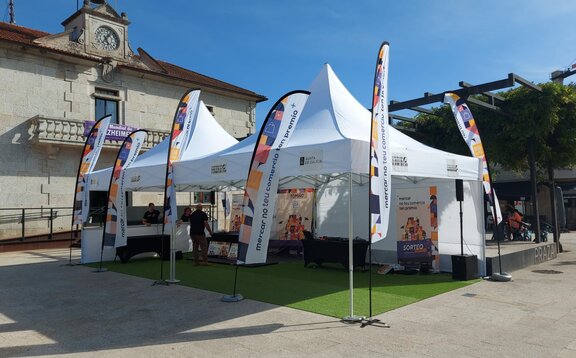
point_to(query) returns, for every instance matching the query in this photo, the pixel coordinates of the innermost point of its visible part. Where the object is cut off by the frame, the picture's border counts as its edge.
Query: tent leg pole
(235, 297)
(172, 278)
(351, 318)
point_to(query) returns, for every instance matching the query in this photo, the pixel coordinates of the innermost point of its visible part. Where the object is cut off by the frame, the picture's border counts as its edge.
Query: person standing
(199, 222)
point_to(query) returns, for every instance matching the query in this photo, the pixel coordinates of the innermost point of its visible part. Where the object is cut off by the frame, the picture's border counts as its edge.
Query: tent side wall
(384, 251)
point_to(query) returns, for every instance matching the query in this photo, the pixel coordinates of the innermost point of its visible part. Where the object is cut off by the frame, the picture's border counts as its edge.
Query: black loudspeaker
(459, 190)
(464, 267)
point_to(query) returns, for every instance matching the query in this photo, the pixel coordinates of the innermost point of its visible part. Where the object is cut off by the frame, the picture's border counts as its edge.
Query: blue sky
(272, 47)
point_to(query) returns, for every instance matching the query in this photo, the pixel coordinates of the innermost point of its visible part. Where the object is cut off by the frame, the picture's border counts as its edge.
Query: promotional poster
(235, 211)
(294, 209)
(417, 220)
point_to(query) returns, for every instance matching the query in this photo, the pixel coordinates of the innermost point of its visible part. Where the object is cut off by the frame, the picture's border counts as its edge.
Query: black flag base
(232, 298)
(101, 269)
(374, 322)
(161, 282)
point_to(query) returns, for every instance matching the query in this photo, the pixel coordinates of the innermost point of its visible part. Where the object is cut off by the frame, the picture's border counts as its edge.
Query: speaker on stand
(464, 267)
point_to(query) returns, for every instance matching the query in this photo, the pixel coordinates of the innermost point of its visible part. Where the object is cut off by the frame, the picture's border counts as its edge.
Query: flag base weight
(353, 319)
(501, 277)
(161, 282)
(102, 269)
(232, 298)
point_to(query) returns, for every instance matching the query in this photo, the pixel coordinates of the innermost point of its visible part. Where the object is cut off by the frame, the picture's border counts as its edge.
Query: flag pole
(261, 188)
(351, 318)
(185, 113)
(90, 153)
(379, 166)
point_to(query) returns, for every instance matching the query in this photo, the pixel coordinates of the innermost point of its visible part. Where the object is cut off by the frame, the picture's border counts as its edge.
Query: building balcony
(66, 132)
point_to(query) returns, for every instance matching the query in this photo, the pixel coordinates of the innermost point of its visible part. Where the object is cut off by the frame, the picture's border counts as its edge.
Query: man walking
(199, 222)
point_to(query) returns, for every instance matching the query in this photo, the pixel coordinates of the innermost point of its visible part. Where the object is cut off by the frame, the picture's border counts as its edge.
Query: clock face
(107, 38)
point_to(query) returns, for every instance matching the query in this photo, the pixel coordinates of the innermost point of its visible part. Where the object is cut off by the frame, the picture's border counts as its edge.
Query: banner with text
(380, 155)
(236, 212)
(293, 214)
(115, 131)
(179, 136)
(115, 226)
(262, 183)
(417, 221)
(469, 131)
(90, 154)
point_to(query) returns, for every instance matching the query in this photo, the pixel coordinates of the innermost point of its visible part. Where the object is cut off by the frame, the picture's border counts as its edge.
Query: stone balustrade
(43, 130)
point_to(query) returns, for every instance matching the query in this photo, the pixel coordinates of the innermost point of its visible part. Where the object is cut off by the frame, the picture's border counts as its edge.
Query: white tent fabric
(332, 136)
(334, 131)
(149, 170)
(227, 168)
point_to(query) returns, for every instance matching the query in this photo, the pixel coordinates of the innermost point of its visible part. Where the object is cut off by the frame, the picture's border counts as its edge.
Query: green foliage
(439, 130)
(546, 120)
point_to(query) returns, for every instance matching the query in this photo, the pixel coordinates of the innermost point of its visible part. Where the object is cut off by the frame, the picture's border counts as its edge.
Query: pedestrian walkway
(48, 308)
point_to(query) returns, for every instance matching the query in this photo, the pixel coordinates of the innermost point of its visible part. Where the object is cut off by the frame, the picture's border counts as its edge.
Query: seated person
(151, 216)
(514, 222)
(185, 218)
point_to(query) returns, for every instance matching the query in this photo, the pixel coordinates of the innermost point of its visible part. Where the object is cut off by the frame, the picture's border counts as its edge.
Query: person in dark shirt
(185, 218)
(199, 222)
(151, 216)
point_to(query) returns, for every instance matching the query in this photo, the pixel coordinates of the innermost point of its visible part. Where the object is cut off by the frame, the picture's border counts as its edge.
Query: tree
(531, 123)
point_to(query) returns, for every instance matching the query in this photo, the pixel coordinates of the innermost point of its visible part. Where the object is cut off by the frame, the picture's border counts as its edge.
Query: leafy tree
(543, 123)
(546, 120)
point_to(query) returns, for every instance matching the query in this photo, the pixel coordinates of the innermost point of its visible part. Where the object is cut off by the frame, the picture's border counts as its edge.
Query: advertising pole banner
(380, 155)
(262, 183)
(115, 233)
(467, 126)
(179, 137)
(90, 154)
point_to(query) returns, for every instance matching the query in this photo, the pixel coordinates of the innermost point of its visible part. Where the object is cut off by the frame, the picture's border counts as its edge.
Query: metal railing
(16, 221)
(25, 217)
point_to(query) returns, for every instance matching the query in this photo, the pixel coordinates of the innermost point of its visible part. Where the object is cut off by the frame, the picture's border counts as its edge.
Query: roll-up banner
(115, 225)
(380, 155)
(262, 184)
(179, 136)
(467, 126)
(90, 154)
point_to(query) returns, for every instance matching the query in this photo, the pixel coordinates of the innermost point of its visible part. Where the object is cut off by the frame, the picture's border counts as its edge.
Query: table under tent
(328, 151)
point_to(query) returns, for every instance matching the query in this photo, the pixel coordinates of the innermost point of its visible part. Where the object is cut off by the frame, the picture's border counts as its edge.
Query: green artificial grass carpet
(323, 290)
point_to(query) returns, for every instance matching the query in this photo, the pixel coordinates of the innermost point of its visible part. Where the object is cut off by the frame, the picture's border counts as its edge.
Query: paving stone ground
(50, 309)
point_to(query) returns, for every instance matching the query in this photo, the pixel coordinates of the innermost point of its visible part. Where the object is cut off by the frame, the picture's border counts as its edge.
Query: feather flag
(262, 183)
(380, 155)
(90, 154)
(467, 126)
(114, 233)
(179, 137)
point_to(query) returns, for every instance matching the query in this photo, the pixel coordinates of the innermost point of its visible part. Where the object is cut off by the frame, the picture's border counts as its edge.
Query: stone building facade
(50, 84)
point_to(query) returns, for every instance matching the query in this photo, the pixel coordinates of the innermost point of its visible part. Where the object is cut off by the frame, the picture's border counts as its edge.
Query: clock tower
(97, 29)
